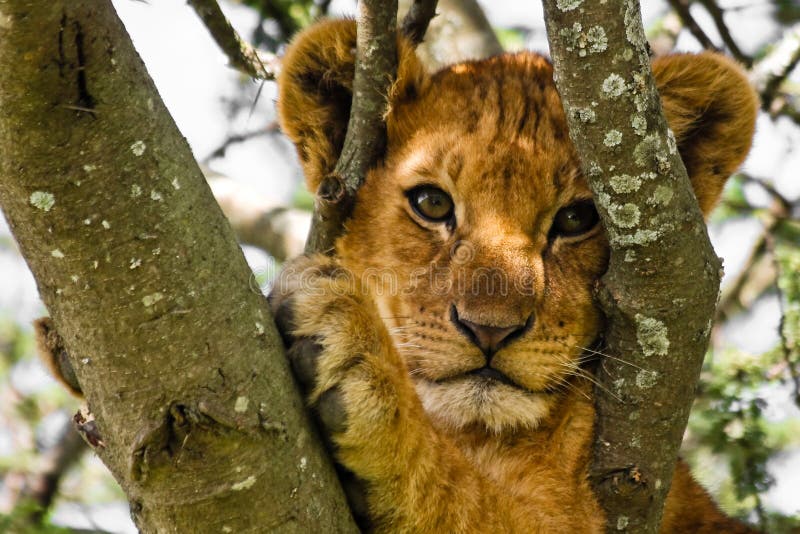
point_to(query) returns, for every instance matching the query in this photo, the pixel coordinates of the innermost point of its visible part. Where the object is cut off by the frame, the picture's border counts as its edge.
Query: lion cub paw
(338, 347)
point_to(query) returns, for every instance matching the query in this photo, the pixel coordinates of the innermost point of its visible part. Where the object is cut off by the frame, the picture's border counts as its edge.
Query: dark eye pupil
(571, 219)
(575, 219)
(431, 203)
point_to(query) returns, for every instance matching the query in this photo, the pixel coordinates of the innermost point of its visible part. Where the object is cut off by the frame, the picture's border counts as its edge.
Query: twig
(752, 280)
(763, 269)
(324, 6)
(376, 68)
(681, 7)
(41, 486)
(774, 82)
(242, 56)
(719, 21)
(787, 345)
(786, 109)
(234, 139)
(416, 21)
(258, 222)
(784, 207)
(756, 275)
(460, 31)
(771, 71)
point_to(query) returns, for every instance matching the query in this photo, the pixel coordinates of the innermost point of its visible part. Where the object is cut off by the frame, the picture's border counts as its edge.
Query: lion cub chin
(447, 350)
(467, 402)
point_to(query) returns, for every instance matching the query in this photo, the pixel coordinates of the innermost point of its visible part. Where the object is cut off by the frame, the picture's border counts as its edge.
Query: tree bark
(195, 411)
(415, 23)
(663, 277)
(241, 54)
(365, 141)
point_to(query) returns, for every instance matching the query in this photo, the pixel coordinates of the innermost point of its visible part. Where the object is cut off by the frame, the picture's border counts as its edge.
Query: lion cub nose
(489, 338)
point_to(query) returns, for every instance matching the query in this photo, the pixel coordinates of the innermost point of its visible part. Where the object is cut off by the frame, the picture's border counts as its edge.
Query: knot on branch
(331, 189)
(626, 482)
(177, 437)
(158, 442)
(87, 428)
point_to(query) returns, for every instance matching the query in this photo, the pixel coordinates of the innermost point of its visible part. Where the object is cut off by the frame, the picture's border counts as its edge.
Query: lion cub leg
(413, 479)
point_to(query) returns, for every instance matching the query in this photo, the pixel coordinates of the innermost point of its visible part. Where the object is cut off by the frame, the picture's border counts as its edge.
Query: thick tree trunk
(663, 277)
(195, 412)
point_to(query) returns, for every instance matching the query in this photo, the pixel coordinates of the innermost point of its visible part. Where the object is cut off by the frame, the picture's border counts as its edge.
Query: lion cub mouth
(483, 376)
(489, 373)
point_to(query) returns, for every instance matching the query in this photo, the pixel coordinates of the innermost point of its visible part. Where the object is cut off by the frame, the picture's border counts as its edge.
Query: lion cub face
(476, 235)
(481, 244)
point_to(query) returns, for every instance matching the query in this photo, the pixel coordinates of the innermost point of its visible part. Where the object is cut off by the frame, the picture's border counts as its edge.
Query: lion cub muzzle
(489, 338)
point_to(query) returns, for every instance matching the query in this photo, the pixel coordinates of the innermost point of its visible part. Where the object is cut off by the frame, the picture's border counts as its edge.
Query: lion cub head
(477, 235)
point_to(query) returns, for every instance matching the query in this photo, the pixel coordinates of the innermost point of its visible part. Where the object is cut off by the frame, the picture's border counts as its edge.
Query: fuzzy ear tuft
(712, 109)
(54, 355)
(316, 87)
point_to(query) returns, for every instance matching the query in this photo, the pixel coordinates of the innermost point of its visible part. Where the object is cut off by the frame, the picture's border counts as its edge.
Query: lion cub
(444, 349)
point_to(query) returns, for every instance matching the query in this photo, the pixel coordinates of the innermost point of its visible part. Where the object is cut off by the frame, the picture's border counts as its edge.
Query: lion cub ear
(54, 356)
(712, 109)
(316, 88)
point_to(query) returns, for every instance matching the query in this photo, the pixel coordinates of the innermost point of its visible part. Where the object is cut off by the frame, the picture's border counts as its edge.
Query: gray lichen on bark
(644, 197)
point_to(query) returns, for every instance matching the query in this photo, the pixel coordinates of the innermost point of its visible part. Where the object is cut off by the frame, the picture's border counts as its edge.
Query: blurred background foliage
(743, 440)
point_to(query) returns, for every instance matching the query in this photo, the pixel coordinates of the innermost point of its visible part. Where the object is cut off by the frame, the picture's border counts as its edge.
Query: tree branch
(416, 21)
(681, 7)
(758, 272)
(784, 284)
(757, 275)
(657, 323)
(459, 32)
(192, 404)
(719, 21)
(234, 139)
(258, 222)
(376, 70)
(324, 6)
(770, 73)
(42, 485)
(242, 56)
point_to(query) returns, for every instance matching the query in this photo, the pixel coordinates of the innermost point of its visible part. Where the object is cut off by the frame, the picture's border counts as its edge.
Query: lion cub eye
(431, 203)
(574, 220)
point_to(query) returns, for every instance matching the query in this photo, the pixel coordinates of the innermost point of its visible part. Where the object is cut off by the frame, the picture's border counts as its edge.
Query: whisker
(564, 384)
(394, 317)
(579, 372)
(403, 327)
(609, 356)
(572, 387)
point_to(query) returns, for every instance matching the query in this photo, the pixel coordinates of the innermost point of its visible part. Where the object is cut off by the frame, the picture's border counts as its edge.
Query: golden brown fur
(51, 350)
(438, 449)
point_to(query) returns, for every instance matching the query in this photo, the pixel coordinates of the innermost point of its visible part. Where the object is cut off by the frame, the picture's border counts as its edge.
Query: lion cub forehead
(502, 113)
(497, 99)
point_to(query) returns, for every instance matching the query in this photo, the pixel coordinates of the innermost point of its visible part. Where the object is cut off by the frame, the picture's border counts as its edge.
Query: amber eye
(431, 203)
(575, 219)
